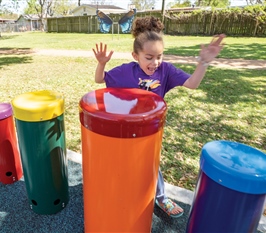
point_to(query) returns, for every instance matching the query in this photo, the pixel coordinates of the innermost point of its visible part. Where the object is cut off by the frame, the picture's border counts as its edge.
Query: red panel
(10, 164)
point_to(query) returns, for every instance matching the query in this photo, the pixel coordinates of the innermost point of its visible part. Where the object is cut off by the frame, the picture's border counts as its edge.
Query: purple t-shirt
(130, 75)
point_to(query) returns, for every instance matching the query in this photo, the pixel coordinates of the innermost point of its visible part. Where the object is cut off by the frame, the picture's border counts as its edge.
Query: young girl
(151, 73)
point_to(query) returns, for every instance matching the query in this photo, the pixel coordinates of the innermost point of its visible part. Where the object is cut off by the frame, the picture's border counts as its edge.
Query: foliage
(254, 2)
(61, 7)
(94, 2)
(250, 20)
(177, 4)
(101, 2)
(31, 7)
(8, 7)
(40, 7)
(143, 4)
(213, 3)
(55, 8)
(9, 15)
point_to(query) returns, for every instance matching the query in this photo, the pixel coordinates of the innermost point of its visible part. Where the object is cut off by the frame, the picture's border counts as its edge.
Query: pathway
(219, 62)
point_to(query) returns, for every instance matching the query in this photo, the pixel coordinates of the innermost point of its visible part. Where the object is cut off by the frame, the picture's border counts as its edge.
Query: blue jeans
(160, 195)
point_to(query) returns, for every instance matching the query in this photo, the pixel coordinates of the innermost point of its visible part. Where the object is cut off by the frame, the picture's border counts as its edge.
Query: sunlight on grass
(235, 47)
(196, 117)
(230, 104)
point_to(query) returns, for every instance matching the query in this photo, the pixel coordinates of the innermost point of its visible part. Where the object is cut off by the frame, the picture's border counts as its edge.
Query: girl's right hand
(100, 53)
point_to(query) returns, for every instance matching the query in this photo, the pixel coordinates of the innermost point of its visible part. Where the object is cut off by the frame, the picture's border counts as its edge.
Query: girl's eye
(149, 58)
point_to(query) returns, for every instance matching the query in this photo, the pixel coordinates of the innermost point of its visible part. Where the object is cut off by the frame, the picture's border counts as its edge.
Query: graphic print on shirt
(148, 84)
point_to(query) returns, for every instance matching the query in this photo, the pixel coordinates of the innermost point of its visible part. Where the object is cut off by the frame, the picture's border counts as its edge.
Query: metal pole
(163, 3)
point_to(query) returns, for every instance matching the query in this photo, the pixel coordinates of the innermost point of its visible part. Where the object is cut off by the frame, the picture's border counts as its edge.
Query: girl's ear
(135, 56)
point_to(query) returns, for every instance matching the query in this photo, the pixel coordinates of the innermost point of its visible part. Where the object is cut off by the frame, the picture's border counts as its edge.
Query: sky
(124, 3)
(158, 5)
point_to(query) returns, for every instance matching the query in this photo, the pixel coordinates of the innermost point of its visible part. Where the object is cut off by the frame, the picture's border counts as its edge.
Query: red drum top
(122, 112)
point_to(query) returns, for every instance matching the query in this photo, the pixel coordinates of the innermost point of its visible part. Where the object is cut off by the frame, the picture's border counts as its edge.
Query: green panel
(43, 154)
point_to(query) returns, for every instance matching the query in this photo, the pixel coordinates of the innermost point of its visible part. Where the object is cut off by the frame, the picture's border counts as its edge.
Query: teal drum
(39, 119)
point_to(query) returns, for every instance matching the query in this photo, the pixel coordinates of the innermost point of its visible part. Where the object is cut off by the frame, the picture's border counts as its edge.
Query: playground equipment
(39, 118)
(10, 164)
(121, 141)
(231, 189)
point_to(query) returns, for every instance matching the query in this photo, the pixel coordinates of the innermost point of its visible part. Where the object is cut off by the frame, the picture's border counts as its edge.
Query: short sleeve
(176, 77)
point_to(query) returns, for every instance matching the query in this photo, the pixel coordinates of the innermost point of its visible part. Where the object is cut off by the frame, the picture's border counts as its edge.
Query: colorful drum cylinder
(121, 142)
(231, 189)
(39, 118)
(10, 163)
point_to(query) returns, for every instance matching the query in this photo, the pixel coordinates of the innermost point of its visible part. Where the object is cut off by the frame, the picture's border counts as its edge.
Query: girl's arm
(102, 58)
(207, 54)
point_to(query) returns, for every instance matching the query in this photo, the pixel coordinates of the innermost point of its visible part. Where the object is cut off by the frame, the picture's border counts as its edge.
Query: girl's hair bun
(148, 23)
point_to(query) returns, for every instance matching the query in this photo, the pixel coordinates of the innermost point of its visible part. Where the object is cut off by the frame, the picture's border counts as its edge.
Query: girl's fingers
(217, 39)
(97, 48)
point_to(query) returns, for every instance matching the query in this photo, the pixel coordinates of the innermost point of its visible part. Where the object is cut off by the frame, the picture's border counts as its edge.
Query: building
(89, 9)
(28, 23)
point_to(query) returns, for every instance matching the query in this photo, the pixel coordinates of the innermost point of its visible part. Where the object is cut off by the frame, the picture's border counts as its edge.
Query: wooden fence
(204, 23)
(80, 24)
(212, 23)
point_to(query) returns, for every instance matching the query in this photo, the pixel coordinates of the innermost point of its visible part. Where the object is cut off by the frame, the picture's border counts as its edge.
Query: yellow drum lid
(38, 106)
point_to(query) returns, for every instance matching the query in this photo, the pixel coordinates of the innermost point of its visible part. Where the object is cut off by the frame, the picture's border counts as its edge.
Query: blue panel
(105, 21)
(126, 21)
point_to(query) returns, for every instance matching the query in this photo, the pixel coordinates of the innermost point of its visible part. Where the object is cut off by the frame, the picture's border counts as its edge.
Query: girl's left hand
(207, 54)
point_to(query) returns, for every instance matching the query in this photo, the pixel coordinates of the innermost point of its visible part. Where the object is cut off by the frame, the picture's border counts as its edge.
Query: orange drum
(121, 142)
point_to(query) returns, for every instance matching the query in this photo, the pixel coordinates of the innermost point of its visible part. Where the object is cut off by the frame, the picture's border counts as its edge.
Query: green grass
(235, 47)
(230, 104)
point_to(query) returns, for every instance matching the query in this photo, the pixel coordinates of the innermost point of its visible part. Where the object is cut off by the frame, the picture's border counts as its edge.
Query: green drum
(39, 118)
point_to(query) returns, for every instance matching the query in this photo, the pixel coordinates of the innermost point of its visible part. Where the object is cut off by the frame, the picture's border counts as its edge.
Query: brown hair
(146, 29)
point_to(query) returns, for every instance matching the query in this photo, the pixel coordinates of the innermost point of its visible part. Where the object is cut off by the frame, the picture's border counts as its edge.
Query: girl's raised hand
(208, 53)
(101, 53)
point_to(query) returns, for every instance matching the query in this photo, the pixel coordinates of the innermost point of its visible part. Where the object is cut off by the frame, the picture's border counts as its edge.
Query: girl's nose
(155, 62)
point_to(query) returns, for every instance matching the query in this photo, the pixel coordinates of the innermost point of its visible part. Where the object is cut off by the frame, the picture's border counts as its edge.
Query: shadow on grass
(10, 60)
(253, 51)
(227, 86)
(15, 51)
(7, 37)
(10, 56)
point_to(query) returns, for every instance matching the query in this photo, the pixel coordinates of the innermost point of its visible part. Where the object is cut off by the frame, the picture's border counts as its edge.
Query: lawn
(230, 104)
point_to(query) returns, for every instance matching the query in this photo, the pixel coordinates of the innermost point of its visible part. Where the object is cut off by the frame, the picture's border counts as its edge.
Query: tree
(178, 3)
(30, 9)
(213, 3)
(143, 4)
(7, 7)
(40, 7)
(95, 2)
(61, 7)
(102, 2)
(254, 2)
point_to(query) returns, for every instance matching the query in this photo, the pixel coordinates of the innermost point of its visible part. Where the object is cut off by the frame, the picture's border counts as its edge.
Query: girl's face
(150, 58)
